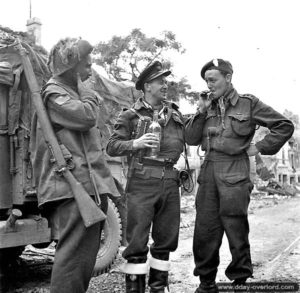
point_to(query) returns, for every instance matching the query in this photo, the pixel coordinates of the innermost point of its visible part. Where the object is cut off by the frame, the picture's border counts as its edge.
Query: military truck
(21, 221)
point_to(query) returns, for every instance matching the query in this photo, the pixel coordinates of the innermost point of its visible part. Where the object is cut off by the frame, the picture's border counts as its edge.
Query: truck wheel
(8, 257)
(111, 237)
(3, 272)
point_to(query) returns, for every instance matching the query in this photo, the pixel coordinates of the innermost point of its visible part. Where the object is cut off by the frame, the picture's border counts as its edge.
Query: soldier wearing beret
(153, 190)
(224, 126)
(73, 111)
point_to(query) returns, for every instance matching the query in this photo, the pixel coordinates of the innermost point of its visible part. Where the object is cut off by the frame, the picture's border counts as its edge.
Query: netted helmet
(67, 53)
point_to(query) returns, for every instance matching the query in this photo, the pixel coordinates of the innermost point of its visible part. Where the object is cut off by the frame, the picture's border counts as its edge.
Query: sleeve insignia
(60, 100)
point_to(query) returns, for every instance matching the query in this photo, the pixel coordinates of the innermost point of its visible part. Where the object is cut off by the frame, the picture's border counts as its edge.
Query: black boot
(135, 283)
(207, 287)
(158, 281)
(239, 285)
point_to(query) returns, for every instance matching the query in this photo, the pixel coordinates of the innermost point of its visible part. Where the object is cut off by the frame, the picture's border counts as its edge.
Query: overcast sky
(259, 37)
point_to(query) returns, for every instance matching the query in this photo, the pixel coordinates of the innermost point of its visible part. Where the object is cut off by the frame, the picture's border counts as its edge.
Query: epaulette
(172, 105)
(248, 96)
(137, 113)
(126, 112)
(131, 113)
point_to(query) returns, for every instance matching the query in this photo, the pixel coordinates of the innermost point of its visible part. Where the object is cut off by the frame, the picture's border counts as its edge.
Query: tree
(181, 89)
(293, 117)
(124, 58)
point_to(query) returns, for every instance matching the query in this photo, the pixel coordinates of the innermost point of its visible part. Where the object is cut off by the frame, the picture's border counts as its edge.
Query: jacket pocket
(241, 124)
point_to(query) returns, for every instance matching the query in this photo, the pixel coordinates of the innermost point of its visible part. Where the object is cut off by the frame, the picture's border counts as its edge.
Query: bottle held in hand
(155, 128)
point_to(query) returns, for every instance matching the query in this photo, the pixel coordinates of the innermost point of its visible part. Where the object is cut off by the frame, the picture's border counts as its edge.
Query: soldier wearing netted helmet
(73, 111)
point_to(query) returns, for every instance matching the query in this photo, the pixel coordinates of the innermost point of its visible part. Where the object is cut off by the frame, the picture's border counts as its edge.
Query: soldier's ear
(228, 77)
(146, 87)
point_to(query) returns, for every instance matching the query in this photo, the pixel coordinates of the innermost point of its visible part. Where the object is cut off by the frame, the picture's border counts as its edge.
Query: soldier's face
(158, 88)
(84, 68)
(217, 83)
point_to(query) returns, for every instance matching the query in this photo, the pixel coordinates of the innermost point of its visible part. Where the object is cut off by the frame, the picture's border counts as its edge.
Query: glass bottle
(156, 129)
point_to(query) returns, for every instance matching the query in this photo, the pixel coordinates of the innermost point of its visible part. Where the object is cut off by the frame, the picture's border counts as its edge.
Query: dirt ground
(274, 237)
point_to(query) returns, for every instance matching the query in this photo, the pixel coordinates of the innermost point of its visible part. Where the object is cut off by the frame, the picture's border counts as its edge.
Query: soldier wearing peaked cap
(224, 126)
(151, 72)
(153, 187)
(73, 110)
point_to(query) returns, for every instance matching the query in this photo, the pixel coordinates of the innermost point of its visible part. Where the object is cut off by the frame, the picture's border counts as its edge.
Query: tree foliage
(293, 117)
(180, 89)
(123, 58)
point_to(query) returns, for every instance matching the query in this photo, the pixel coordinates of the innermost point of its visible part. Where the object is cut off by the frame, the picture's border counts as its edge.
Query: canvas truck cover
(16, 112)
(115, 96)
(16, 184)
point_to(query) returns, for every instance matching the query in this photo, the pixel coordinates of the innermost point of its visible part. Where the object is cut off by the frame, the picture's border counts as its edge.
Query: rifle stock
(88, 209)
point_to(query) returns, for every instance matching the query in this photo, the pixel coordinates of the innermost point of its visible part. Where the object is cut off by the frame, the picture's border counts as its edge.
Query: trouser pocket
(234, 187)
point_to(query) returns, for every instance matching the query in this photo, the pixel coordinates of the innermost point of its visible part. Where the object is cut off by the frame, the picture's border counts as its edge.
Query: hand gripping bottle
(155, 128)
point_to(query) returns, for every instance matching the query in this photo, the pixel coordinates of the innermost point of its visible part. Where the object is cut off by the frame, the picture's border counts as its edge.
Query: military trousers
(156, 202)
(76, 249)
(221, 206)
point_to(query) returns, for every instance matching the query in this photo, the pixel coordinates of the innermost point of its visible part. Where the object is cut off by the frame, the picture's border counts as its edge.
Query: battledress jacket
(172, 138)
(243, 114)
(74, 119)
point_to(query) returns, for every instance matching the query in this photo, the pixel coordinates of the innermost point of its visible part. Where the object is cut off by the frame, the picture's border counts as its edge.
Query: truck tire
(8, 257)
(3, 272)
(111, 237)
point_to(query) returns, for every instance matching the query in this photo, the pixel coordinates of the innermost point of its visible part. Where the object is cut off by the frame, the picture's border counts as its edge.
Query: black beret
(152, 71)
(218, 64)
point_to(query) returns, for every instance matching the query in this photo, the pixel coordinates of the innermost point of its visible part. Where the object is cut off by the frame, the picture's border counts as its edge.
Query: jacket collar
(165, 112)
(141, 104)
(233, 97)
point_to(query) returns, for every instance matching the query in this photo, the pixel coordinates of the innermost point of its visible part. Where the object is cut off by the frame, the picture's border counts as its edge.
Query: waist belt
(156, 172)
(162, 162)
(222, 157)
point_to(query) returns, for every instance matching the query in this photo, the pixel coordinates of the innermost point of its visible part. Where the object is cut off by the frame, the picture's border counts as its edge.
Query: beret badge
(215, 62)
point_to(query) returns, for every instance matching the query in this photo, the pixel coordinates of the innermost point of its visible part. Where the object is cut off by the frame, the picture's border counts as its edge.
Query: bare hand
(145, 141)
(252, 150)
(203, 104)
(82, 89)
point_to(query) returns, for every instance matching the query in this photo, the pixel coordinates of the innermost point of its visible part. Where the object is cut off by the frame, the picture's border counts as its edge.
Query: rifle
(88, 209)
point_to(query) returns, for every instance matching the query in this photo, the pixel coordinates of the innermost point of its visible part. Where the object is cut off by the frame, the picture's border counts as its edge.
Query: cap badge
(215, 62)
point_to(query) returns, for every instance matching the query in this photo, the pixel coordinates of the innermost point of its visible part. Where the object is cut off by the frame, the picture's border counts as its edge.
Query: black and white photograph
(149, 146)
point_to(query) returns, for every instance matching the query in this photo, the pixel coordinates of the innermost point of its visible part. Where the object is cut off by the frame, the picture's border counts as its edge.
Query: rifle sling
(97, 195)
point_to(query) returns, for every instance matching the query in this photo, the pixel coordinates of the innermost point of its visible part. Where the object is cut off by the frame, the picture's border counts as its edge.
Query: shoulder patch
(60, 100)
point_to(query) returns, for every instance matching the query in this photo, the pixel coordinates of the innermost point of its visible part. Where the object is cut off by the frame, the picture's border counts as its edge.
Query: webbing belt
(156, 172)
(222, 157)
